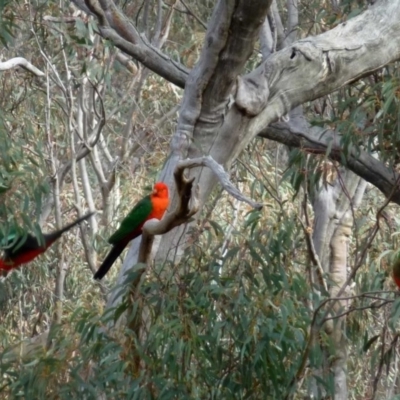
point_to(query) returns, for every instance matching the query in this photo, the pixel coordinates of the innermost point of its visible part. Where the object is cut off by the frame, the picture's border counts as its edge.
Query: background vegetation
(232, 317)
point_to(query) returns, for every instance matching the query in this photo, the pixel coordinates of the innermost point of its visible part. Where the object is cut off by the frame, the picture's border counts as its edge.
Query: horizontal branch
(115, 26)
(318, 65)
(318, 140)
(20, 62)
(62, 20)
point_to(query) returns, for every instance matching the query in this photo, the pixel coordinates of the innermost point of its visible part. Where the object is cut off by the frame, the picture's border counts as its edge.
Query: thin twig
(204, 25)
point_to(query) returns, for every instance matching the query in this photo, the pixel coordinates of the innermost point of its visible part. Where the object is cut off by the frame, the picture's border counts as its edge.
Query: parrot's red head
(160, 190)
(396, 271)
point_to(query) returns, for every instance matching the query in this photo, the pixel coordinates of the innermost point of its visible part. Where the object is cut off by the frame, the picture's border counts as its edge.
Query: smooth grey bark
(331, 205)
(334, 207)
(339, 265)
(21, 62)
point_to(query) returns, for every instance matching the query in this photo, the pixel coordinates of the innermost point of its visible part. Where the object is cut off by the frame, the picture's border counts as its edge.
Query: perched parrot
(152, 206)
(20, 250)
(396, 272)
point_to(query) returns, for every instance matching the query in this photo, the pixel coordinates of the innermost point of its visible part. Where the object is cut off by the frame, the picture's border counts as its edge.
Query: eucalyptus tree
(228, 102)
(318, 78)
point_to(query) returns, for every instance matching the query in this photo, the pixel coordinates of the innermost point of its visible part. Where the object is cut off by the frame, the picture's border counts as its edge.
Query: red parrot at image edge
(152, 206)
(22, 249)
(396, 273)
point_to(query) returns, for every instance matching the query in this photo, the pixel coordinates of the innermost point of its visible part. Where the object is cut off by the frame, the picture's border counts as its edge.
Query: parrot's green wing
(131, 226)
(14, 239)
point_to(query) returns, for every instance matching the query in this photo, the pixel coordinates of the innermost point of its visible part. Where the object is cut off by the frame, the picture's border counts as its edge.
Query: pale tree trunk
(334, 206)
(203, 123)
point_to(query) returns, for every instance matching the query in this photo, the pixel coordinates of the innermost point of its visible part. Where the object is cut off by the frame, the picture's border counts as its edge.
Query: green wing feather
(12, 236)
(15, 238)
(131, 224)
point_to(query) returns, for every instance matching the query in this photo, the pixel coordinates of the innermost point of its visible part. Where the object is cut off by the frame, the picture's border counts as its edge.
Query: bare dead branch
(63, 20)
(95, 136)
(318, 140)
(162, 36)
(20, 62)
(187, 205)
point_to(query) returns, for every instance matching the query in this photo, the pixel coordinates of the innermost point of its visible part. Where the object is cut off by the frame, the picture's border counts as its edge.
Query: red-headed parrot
(22, 249)
(152, 206)
(396, 272)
